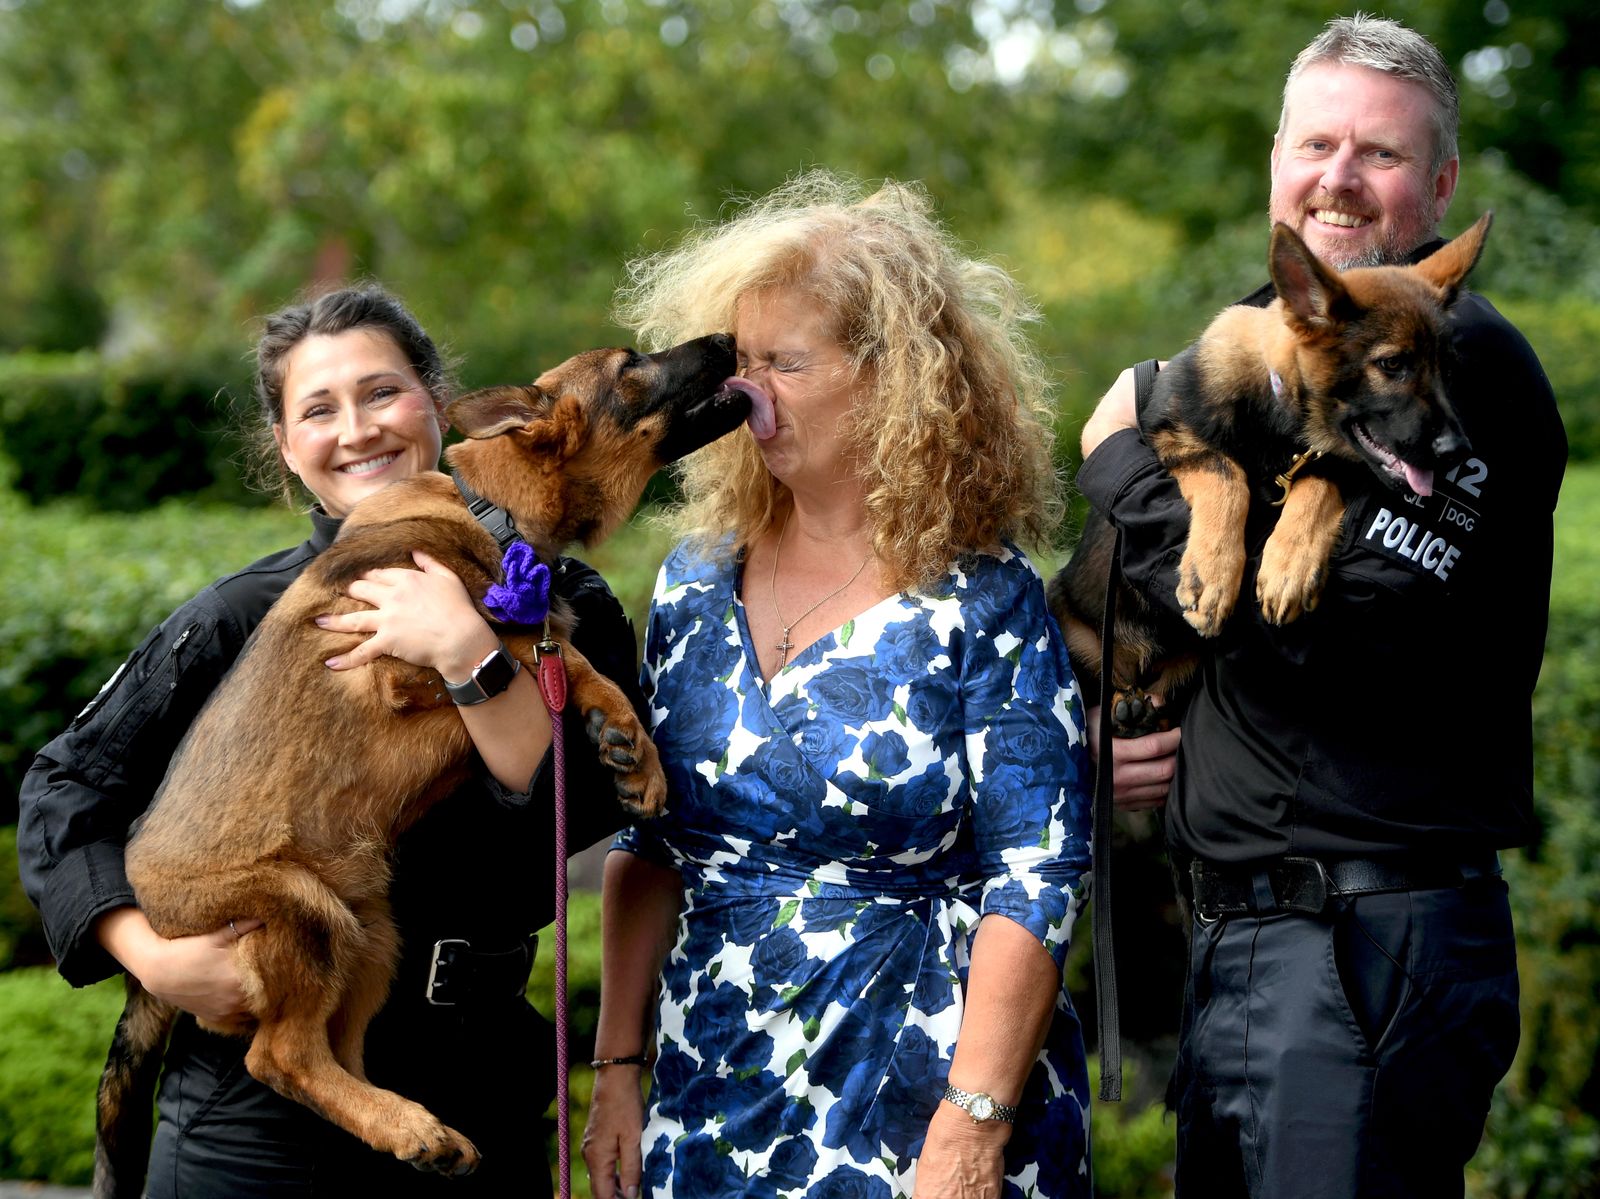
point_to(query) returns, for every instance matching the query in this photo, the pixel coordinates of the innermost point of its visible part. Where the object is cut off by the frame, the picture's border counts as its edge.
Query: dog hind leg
(366, 988)
(317, 962)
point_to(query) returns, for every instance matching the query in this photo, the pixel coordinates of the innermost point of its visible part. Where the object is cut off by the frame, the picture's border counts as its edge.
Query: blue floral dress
(840, 832)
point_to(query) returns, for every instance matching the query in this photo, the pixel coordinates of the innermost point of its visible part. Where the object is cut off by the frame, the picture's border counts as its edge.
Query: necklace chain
(783, 647)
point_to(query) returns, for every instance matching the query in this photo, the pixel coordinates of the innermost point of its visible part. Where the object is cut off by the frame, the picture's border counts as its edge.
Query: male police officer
(1345, 781)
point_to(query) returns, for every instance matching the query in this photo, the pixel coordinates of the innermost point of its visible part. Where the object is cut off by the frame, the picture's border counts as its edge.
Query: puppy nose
(722, 342)
(1451, 443)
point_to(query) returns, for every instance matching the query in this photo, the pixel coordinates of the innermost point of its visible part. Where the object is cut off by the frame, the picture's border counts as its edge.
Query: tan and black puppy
(1344, 367)
(284, 800)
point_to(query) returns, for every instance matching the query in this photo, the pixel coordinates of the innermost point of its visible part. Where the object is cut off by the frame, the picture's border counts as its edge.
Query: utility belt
(460, 974)
(1310, 885)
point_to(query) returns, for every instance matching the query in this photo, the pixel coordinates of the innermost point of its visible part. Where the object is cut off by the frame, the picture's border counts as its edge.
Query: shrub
(1134, 1149)
(118, 437)
(51, 1053)
(21, 936)
(1541, 1139)
(81, 590)
(1565, 333)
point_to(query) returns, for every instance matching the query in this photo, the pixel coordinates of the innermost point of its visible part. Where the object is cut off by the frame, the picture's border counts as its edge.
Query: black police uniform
(476, 869)
(1343, 785)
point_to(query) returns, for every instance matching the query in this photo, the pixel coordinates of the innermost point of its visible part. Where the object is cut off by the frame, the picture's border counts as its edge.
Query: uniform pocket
(135, 692)
(1371, 946)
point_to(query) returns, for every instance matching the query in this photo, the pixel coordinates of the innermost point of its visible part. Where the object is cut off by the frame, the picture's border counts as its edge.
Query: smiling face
(1352, 167)
(356, 417)
(786, 346)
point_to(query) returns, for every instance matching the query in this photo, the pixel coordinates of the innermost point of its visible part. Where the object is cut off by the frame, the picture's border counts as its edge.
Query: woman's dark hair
(365, 307)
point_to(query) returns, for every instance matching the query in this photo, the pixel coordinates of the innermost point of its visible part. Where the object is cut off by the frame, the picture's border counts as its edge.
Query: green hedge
(1565, 333)
(81, 589)
(53, 1043)
(119, 437)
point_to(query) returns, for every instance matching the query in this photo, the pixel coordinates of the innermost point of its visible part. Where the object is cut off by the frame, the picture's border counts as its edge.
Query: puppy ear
(561, 431)
(1312, 294)
(496, 410)
(1447, 266)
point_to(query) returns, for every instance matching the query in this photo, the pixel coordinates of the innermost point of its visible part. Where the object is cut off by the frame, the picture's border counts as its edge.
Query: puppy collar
(501, 524)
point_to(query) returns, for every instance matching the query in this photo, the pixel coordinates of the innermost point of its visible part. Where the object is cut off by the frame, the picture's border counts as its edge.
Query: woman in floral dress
(844, 937)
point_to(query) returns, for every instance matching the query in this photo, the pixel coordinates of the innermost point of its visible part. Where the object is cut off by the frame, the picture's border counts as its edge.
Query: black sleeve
(1125, 480)
(86, 788)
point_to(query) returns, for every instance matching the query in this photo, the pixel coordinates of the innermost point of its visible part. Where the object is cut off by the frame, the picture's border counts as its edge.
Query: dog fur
(1345, 366)
(286, 796)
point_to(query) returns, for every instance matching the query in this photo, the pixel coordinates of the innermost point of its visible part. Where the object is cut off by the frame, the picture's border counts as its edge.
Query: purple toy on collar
(524, 598)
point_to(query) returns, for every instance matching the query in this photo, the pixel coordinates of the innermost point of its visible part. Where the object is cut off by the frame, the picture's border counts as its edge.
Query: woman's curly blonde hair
(954, 440)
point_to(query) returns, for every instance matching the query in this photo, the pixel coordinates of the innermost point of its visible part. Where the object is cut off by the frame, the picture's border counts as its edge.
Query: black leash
(1105, 958)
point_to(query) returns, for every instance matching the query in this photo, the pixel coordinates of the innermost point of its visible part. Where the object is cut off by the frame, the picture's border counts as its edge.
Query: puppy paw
(1134, 713)
(432, 1146)
(1290, 580)
(1287, 591)
(626, 749)
(1207, 591)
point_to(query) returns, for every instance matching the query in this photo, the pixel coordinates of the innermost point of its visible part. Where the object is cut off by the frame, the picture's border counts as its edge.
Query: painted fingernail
(321, 622)
(333, 663)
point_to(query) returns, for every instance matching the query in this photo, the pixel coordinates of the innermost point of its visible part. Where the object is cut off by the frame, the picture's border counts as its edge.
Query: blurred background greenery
(172, 169)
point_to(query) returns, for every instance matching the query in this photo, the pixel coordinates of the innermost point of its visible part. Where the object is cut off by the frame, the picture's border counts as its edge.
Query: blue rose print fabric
(840, 831)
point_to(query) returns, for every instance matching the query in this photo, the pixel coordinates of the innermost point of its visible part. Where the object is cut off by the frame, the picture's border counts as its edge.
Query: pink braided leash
(553, 686)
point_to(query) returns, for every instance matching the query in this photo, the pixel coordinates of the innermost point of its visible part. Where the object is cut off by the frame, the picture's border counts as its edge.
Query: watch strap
(488, 678)
(979, 1106)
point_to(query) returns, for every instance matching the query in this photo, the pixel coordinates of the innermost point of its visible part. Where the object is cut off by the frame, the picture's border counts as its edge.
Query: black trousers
(223, 1135)
(1349, 1055)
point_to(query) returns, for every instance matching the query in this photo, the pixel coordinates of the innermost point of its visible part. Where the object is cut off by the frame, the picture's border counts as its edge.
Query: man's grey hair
(1388, 46)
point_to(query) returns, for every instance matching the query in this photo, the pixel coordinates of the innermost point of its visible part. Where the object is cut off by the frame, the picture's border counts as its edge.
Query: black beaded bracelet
(637, 1059)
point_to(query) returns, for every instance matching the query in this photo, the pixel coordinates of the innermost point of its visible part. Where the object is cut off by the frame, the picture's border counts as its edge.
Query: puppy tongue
(762, 421)
(1420, 481)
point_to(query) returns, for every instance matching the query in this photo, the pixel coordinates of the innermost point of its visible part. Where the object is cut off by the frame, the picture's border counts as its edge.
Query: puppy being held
(284, 801)
(1340, 368)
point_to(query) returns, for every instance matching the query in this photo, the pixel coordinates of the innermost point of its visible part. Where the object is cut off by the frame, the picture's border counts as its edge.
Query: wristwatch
(979, 1106)
(488, 679)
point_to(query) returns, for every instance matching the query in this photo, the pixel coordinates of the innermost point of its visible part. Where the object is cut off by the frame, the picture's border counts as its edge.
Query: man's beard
(1410, 227)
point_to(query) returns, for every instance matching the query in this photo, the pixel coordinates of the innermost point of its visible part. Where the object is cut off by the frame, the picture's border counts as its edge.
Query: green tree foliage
(170, 170)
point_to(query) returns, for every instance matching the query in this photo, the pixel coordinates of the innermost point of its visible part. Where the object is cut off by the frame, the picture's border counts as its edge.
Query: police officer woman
(351, 395)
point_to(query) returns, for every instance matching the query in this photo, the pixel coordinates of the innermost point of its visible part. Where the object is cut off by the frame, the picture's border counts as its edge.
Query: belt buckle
(1318, 884)
(1195, 870)
(439, 977)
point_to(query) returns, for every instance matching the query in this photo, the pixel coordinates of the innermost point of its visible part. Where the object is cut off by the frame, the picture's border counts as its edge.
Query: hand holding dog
(1141, 767)
(422, 616)
(1116, 410)
(199, 974)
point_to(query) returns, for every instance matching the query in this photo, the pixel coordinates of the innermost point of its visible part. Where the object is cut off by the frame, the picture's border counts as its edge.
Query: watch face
(495, 675)
(982, 1107)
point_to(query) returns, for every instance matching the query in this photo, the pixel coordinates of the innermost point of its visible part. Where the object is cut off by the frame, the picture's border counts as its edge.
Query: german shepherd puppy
(286, 796)
(1345, 367)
